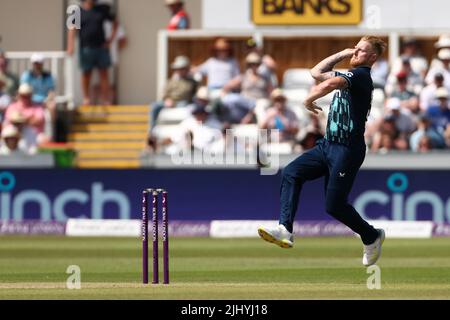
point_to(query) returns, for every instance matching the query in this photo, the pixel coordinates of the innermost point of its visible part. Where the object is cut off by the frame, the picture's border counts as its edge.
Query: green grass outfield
(202, 268)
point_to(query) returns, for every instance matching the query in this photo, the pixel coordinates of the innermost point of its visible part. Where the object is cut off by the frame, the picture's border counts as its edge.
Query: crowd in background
(27, 107)
(27, 102)
(217, 95)
(414, 114)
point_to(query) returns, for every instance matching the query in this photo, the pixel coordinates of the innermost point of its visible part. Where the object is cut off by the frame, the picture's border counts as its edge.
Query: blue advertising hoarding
(56, 195)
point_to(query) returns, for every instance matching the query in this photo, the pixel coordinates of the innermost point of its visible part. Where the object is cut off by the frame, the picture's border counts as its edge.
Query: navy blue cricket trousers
(339, 165)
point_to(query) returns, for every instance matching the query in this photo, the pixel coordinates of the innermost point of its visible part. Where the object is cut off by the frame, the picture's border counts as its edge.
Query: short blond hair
(378, 45)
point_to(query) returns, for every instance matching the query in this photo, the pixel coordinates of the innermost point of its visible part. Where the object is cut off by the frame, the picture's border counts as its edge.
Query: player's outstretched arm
(323, 70)
(322, 90)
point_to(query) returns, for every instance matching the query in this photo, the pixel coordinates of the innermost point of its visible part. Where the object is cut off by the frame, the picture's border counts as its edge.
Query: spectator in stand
(442, 43)
(43, 86)
(425, 128)
(118, 43)
(388, 137)
(444, 68)
(310, 134)
(425, 145)
(220, 69)
(94, 47)
(411, 52)
(40, 80)
(380, 73)
(387, 143)
(201, 132)
(180, 18)
(180, 89)
(268, 67)
(414, 83)
(428, 94)
(447, 136)
(12, 83)
(252, 87)
(409, 101)
(10, 144)
(404, 121)
(30, 114)
(398, 124)
(5, 99)
(201, 99)
(279, 117)
(28, 142)
(439, 114)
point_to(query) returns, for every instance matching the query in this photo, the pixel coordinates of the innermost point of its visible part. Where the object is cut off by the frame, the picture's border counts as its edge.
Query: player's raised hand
(348, 53)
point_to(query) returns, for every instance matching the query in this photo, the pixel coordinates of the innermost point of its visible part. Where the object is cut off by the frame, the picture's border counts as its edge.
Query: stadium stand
(114, 140)
(117, 135)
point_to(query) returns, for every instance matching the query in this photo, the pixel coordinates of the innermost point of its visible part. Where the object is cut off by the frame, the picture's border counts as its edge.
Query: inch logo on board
(307, 12)
(17, 205)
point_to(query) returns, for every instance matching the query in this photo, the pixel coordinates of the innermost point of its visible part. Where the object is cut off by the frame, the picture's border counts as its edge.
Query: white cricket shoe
(373, 251)
(279, 235)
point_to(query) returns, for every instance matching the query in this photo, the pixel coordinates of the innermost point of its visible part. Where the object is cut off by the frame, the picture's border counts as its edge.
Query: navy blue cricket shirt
(350, 107)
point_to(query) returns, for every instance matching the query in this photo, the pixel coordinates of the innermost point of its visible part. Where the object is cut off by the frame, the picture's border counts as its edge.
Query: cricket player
(340, 154)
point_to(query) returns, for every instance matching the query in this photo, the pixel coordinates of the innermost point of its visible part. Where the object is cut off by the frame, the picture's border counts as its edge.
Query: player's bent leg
(372, 238)
(338, 207)
(309, 166)
(278, 235)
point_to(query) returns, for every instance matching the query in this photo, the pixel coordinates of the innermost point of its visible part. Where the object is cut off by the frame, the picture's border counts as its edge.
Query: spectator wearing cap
(268, 67)
(31, 115)
(280, 117)
(241, 94)
(425, 128)
(43, 86)
(180, 18)
(414, 81)
(221, 68)
(5, 98)
(411, 51)
(201, 131)
(40, 80)
(11, 141)
(201, 99)
(444, 69)
(179, 90)
(403, 119)
(442, 43)
(408, 99)
(439, 114)
(94, 46)
(12, 81)
(428, 94)
(28, 142)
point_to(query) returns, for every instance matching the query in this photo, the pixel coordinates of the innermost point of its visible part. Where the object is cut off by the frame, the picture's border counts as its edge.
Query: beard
(354, 62)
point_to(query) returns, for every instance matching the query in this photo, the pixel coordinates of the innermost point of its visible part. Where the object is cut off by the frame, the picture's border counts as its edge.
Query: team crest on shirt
(349, 74)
